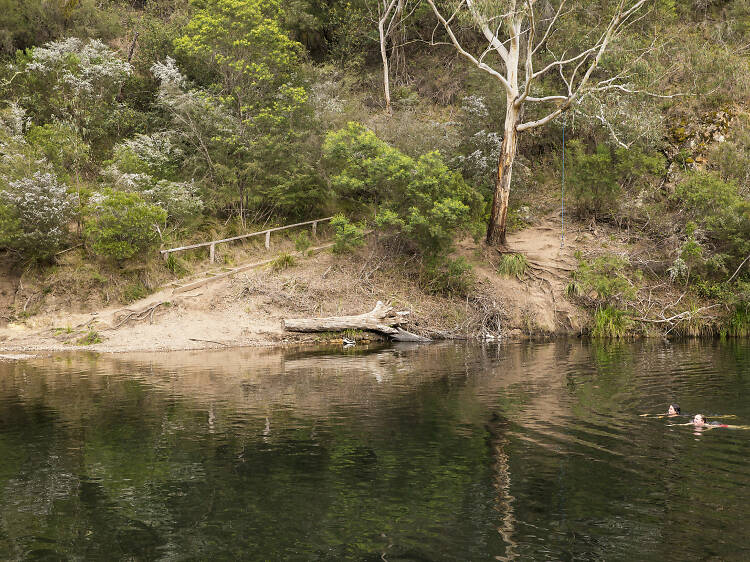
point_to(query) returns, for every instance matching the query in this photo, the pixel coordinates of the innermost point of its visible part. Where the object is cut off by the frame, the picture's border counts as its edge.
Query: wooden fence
(212, 244)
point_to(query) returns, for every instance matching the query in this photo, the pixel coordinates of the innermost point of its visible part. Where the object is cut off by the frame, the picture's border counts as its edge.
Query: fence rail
(212, 244)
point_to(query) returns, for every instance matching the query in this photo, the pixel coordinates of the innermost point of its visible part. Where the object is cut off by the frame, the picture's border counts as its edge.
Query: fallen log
(403, 335)
(382, 319)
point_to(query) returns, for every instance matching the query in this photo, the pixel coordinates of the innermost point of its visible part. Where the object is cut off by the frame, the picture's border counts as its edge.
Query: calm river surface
(439, 452)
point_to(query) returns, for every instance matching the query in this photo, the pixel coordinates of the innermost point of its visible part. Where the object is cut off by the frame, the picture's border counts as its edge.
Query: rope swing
(562, 197)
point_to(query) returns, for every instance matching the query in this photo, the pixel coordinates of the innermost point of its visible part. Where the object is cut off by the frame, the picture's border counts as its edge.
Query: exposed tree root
(140, 315)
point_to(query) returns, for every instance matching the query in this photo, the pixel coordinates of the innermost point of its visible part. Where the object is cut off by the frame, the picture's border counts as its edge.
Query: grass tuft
(513, 265)
(90, 338)
(611, 322)
(284, 261)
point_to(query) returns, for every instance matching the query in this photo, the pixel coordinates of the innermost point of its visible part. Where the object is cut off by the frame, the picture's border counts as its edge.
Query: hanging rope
(562, 197)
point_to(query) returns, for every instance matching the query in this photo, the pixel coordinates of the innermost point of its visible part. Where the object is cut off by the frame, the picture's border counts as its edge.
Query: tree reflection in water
(532, 451)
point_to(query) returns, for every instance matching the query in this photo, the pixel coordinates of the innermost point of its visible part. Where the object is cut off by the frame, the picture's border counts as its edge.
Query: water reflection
(438, 452)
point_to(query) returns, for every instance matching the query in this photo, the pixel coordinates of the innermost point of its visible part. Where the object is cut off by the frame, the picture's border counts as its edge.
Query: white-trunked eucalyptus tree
(391, 24)
(516, 37)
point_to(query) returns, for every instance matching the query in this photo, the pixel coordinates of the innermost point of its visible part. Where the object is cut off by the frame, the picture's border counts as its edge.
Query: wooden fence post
(268, 239)
(315, 229)
(211, 253)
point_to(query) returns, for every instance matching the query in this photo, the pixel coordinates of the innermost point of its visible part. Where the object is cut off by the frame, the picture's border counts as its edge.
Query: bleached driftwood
(382, 319)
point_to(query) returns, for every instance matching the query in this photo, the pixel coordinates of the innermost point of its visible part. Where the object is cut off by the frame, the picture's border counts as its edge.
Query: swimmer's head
(674, 410)
(699, 420)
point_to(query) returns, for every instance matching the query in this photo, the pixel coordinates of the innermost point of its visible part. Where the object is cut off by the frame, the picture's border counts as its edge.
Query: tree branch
(738, 269)
(463, 52)
(484, 26)
(614, 24)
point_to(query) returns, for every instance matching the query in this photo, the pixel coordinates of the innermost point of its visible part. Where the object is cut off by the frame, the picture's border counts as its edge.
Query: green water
(440, 452)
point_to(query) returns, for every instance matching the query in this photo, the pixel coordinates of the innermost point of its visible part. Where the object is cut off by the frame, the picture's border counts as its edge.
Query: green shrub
(611, 322)
(598, 179)
(737, 325)
(719, 210)
(513, 265)
(602, 279)
(420, 200)
(348, 236)
(61, 145)
(175, 265)
(134, 292)
(302, 241)
(91, 338)
(453, 277)
(121, 225)
(283, 261)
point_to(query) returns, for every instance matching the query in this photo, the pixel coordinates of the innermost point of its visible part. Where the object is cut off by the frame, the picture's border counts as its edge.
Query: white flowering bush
(180, 200)
(156, 154)
(34, 214)
(168, 74)
(13, 120)
(148, 164)
(76, 81)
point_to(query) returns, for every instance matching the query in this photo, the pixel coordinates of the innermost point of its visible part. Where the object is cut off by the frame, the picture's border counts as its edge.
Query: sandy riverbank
(247, 309)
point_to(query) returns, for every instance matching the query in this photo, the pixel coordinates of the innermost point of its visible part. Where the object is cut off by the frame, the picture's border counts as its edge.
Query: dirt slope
(247, 309)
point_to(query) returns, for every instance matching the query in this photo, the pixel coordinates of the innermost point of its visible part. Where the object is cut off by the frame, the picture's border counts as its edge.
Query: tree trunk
(398, 38)
(499, 212)
(384, 56)
(381, 319)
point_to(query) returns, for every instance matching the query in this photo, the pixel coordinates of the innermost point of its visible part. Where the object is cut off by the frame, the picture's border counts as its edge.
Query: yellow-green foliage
(738, 323)
(245, 41)
(283, 261)
(602, 279)
(611, 322)
(348, 236)
(420, 199)
(513, 265)
(90, 338)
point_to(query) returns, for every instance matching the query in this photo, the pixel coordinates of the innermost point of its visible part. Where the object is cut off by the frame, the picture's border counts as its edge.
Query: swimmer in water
(674, 410)
(699, 420)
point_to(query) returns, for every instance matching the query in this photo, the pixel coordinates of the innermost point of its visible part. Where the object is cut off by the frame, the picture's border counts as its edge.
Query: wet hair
(676, 408)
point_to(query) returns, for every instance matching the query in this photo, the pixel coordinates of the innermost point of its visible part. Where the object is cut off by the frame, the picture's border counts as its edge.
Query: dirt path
(537, 303)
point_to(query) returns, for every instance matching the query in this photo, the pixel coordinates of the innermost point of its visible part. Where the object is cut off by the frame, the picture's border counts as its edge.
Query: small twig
(210, 341)
(738, 269)
(68, 249)
(678, 317)
(28, 301)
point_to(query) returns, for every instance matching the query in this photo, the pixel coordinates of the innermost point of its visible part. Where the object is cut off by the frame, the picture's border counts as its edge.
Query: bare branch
(622, 88)
(463, 52)
(738, 269)
(549, 28)
(529, 59)
(614, 23)
(484, 26)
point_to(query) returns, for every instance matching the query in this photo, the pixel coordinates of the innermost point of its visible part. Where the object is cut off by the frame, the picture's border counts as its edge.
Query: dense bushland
(126, 126)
